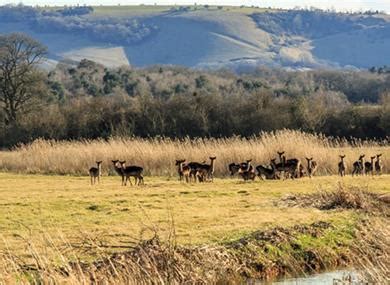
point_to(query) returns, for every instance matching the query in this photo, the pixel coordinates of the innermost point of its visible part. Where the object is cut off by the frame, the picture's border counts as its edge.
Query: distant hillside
(204, 36)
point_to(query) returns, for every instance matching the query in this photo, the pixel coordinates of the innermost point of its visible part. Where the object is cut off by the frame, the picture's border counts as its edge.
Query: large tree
(20, 81)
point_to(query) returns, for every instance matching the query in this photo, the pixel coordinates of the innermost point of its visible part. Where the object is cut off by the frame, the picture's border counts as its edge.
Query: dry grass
(158, 155)
(59, 229)
(344, 197)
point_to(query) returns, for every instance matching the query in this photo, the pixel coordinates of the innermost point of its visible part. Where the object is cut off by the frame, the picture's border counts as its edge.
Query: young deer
(378, 164)
(358, 166)
(311, 166)
(96, 172)
(132, 170)
(118, 170)
(342, 166)
(369, 166)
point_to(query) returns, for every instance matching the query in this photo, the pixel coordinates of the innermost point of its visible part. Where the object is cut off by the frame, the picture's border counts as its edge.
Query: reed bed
(158, 155)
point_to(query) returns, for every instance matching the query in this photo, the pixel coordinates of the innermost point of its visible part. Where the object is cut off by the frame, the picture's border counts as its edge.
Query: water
(327, 278)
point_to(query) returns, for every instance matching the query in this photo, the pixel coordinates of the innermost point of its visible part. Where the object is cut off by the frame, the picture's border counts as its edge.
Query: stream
(326, 278)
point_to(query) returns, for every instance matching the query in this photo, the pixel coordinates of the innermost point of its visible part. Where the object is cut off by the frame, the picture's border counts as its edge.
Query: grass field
(68, 208)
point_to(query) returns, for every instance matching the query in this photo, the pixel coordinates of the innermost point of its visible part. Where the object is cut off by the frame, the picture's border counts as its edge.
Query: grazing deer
(369, 166)
(118, 170)
(358, 166)
(342, 166)
(378, 164)
(246, 171)
(96, 172)
(132, 170)
(264, 171)
(311, 166)
(288, 164)
(233, 168)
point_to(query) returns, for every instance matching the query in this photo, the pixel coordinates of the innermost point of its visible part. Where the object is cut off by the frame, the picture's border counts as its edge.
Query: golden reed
(158, 155)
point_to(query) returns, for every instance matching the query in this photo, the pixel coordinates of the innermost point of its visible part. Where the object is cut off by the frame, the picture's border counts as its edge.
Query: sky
(355, 5)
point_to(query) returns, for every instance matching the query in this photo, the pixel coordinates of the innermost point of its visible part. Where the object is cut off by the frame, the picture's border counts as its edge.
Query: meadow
(50, 220)
(51, 217)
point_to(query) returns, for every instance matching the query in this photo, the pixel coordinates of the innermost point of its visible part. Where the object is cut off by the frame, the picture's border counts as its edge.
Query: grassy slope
(67, 207)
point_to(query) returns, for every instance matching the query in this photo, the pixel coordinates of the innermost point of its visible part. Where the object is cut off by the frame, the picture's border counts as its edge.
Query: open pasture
(68, 208)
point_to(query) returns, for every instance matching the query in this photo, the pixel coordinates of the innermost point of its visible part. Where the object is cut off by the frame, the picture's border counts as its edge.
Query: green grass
(68, 208)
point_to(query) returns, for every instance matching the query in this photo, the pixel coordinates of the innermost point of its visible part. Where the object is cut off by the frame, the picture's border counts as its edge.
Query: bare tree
(20, 81)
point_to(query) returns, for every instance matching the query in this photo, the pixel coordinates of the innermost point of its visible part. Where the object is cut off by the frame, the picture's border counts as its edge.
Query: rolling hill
(205, 37)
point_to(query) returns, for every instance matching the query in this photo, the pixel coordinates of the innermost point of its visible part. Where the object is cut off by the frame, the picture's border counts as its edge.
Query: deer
(378, 164)
(194, 166)
(183, 170)
(179, 164)
(342, 166)
(205, 171)
(291, 168)
(358, 166)
(233, 168)
(268, 173)
(311, 166)
(246, 170)
(95, 172)
(132, 170)
(289, 163)
(118, 169)
(210, 168)
(369, 166)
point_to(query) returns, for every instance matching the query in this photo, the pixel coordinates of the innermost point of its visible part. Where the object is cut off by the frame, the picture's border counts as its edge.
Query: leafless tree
(20, 81)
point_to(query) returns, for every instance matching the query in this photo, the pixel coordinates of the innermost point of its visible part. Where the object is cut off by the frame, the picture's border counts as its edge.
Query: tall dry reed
(158, 155)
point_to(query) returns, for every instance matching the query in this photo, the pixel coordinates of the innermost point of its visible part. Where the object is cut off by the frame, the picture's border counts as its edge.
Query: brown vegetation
(157, 156)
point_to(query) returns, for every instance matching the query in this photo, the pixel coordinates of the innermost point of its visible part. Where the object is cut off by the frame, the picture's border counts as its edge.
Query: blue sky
(336, 4)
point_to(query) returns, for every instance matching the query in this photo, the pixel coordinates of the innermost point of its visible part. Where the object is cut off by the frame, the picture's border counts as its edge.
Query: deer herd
(283, 169)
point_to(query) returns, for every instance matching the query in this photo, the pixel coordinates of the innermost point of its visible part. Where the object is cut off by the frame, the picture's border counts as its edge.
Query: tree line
(90, 101)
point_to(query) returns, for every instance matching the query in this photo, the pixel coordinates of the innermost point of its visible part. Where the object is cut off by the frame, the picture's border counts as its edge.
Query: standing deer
(194, 167)
(378, 164)
(358, 166)
(369, 166)
(289, 165)
(209, 168)
(179, 164)
(202, 171)
(311, 166)
(183, 170)
(118, 170)
(132, 170)
(96, 172)
(342, 166)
